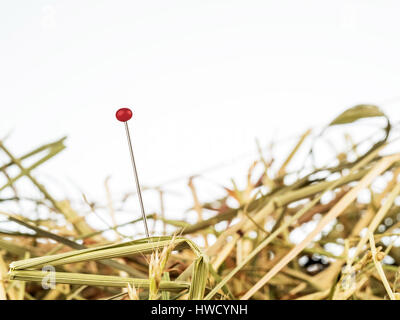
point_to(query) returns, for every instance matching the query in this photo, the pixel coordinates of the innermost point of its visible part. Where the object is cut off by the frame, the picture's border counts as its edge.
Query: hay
(250, 255)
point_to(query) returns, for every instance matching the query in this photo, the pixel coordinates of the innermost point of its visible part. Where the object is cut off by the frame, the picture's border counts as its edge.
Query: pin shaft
(137, 180)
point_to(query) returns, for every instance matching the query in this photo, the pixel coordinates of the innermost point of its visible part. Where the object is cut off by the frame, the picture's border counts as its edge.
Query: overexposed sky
(204, 79)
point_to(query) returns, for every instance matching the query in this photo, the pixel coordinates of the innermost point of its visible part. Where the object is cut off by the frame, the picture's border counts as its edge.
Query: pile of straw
(349, 249)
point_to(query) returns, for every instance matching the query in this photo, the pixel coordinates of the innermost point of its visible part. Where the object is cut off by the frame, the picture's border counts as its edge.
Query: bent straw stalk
(94, 280)
(21, 270)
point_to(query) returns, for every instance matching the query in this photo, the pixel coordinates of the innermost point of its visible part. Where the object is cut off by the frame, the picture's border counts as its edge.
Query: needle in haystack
(123, 115)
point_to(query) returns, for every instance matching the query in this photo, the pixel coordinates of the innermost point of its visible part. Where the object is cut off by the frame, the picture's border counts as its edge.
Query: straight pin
(123, 115)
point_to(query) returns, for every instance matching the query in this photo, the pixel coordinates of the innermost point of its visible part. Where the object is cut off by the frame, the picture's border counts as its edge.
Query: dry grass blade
(199, 279)
(98, 253)
(93, 280)
(379, 267)
(3, 295)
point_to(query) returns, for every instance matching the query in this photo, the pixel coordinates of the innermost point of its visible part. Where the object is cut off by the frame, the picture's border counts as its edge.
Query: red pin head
(124, 114)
